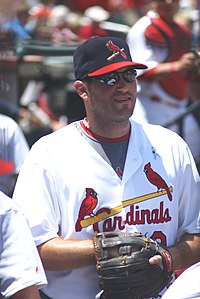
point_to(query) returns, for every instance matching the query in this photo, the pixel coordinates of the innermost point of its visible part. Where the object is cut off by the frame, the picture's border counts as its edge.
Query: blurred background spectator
(126, 12)
(93, 17)
(13, 148)
(18, 26)
(59, 27)
(41, 10)
(81, 6)
(164, 88)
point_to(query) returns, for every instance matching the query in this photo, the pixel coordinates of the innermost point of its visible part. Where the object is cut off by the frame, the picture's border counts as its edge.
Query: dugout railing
(194, 109)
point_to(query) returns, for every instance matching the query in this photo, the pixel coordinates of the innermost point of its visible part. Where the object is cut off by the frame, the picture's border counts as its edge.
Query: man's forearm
(186, 252)
(58, 254)
(27, 293)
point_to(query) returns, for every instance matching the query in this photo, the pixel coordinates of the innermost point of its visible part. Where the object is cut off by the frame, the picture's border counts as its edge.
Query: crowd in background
(63, 21)
(68, 22)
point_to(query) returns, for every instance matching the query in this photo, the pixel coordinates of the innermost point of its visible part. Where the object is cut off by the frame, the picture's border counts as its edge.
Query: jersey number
(160, 237)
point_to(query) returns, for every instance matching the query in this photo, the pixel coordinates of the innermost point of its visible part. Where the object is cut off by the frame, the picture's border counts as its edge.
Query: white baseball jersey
(154, 104)
(20, 265)
(14, 148)
(63, 171)
(186, 286)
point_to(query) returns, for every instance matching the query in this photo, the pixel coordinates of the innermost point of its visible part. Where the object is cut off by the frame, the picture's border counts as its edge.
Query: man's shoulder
(155, 132)
(5, 203)
(6, 120)
(61, 138)
(64, 131)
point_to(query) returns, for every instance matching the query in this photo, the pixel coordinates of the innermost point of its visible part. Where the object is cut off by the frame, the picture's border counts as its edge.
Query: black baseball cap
(100, 55)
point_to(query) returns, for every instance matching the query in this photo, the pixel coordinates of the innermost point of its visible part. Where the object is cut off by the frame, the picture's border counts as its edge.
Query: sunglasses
(112, 78)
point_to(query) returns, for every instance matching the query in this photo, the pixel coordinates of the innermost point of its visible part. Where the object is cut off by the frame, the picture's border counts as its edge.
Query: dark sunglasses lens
(112, 78)
(109, 79)
(130, 75)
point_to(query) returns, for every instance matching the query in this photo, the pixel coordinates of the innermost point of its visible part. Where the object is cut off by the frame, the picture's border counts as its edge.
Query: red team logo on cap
(115, 49)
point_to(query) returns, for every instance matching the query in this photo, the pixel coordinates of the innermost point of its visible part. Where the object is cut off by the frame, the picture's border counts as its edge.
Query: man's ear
(81, 89)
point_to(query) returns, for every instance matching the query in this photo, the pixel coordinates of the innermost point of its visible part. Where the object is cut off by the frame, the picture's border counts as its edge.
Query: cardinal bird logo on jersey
(115, 49)
(88, 205)
(155, 179)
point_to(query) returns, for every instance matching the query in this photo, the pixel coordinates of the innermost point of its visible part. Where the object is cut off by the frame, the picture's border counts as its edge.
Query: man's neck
(107, 131)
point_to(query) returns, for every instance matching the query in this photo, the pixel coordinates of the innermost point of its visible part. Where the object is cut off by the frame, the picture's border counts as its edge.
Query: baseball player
(21, 271)
(107, 173)
(163, 88)
(13, 148)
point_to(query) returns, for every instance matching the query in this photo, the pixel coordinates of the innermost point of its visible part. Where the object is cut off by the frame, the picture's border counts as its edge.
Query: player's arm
(184, 254)
(188, 62)
(58, 254)
(27, 293)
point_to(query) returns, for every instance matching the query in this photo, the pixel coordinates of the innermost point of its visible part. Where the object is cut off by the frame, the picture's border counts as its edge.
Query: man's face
(111, 104)
(166, 8)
